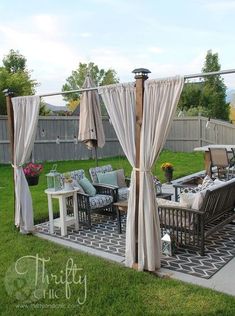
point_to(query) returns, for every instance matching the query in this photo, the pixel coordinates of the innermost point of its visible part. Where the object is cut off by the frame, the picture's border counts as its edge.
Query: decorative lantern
(53, 179)
(167, 244)
(157, 185)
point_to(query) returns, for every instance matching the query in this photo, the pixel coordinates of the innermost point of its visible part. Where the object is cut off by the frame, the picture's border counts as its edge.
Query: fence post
(199, 131)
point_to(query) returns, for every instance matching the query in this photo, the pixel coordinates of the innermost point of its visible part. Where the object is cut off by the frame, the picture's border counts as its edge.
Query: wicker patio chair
(101, 202)
(120, 193)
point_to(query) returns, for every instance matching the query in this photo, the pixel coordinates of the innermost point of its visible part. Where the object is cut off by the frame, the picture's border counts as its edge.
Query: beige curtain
(160, 101)
(26, 112)
(120, 103)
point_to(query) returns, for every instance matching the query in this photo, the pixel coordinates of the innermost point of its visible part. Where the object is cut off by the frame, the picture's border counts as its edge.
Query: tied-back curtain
(120, 102)
(160, 101)
(26, 112)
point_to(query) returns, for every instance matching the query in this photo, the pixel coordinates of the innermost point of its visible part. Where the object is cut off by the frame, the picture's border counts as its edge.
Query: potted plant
(32, 172)
(68, 181)
(167, 167)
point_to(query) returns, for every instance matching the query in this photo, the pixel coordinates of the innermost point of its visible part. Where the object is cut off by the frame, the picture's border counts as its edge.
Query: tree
(14, 62)
(208, 96)
(214, 89)
(44, 111)
(15, 76)
(190, 97)
(75, 81)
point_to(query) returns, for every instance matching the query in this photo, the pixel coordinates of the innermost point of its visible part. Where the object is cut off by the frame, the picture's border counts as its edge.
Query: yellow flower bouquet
(167, 166)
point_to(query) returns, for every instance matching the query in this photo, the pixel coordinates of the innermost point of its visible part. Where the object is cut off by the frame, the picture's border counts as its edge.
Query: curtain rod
(200, 75)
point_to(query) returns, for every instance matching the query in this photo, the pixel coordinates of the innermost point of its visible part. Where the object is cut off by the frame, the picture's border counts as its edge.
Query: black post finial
(8, 92)
(141, 73)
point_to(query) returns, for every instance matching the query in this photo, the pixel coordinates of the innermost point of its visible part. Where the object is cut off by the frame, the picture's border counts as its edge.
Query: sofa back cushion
(108, 178)
(93, 172)
(76, 176)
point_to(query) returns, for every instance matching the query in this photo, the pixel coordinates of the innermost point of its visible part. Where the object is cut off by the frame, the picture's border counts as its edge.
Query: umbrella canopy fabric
(91, 130)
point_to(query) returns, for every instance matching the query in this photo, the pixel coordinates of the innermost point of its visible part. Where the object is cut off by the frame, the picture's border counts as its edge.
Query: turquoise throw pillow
(87, 186)
(108, 178)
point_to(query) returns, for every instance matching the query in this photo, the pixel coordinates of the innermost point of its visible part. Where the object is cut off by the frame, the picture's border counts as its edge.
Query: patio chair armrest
(107, 190)
(82, 194)
(180, 208)
(83, 201)
(104, 185)
(179, 217)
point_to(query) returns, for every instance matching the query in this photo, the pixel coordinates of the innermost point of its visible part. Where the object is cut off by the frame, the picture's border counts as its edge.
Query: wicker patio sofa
(191, 227)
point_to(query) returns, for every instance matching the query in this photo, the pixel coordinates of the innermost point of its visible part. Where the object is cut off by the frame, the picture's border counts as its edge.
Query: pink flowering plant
(32, 169)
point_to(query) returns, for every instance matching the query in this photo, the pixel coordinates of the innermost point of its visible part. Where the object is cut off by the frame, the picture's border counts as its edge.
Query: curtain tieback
(142, 170)
(15, 166)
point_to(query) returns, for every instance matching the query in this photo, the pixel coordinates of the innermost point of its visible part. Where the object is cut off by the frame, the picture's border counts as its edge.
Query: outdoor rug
(220, 247)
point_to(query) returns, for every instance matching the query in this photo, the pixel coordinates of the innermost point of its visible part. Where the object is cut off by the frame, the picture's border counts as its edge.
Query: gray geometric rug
(219, 250)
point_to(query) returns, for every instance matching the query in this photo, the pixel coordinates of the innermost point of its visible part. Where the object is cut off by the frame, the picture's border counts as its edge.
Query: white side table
(64, 220)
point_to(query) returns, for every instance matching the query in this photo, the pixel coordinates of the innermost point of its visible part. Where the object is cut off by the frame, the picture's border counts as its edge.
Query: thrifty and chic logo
(28, 281)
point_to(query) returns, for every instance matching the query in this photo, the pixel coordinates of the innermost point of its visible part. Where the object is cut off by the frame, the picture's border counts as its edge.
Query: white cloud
(45, 23)
(220, 6)
(85, 34)
(157, 50)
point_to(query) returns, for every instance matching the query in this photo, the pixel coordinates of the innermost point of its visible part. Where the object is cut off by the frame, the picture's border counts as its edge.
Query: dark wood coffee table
(121, 207)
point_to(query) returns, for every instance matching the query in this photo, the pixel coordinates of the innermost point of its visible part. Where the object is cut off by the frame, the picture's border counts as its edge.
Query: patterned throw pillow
(76, 185)
(207, 182)
(108, 178)
(121, 178)
(87, 186)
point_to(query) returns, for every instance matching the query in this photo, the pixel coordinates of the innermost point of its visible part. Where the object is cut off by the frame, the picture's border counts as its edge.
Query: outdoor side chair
(101, 202)
(119, 193)
(220, 163)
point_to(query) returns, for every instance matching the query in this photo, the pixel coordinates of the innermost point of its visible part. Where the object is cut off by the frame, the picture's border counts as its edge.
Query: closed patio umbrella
(91, 130)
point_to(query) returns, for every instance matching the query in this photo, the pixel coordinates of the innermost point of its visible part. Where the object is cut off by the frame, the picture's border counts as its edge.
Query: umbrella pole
(96, 157)
(140, 75)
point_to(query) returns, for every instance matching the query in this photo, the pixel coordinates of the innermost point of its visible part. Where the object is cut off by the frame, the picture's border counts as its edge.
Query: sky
(167, 37)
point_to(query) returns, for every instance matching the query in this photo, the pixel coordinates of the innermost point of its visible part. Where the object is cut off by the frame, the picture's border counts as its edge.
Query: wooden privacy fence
(56, 138)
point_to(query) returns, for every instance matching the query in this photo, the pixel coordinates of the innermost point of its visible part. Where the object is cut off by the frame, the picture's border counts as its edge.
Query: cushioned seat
(123, 194)
(100, 200)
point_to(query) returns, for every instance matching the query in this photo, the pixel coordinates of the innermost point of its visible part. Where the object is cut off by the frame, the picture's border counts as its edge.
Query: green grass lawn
(111, 289)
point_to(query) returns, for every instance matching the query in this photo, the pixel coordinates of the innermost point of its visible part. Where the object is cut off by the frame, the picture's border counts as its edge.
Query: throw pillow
(76, 185)
(108, 178)
(207, 182)
(198, 200)
(87, 186)
(187, 199)
(121, 178)
(218, 182)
